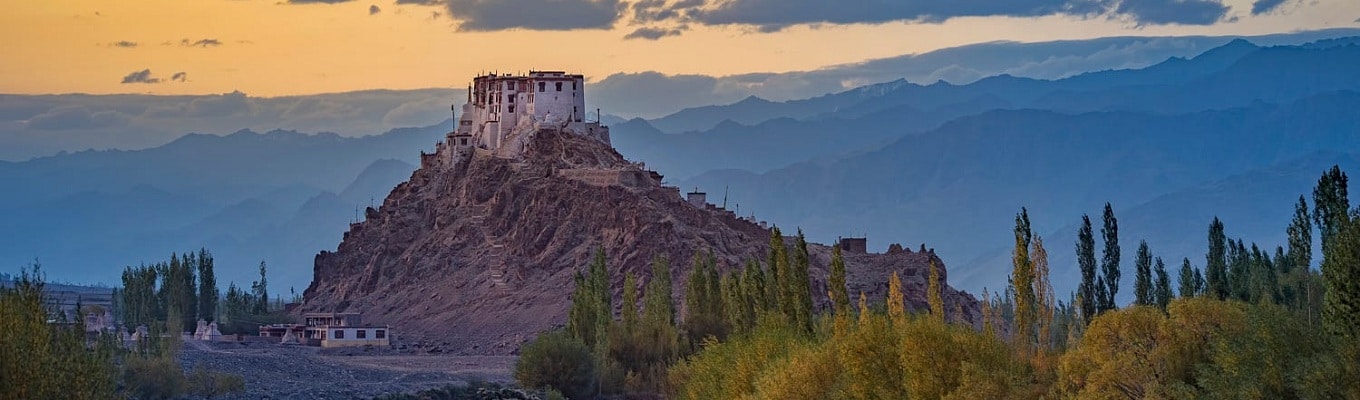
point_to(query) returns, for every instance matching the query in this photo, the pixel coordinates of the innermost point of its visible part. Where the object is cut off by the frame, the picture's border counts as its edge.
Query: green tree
(1044, 298)
(1086, 261)
(1188, 286)
(801, 284)
(1341, 279)
(1142, 277)
(1331, 205)
(39, 360)
(1022, 275)
(1301, 237)
(207, 287)
(776, 267)
(1109, 264)
(703, 312)
(557, 361)
(591, 304)
(753, 282)
(260, 292)
(1216, 262)
(1163, 292)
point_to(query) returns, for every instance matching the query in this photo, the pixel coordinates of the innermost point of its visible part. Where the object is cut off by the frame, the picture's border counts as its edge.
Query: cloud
(143, 76)
(219, 106)
(419, 112)
(205, 43)
(318, 1)
(495, 15)
(1259, 7)
(76, 117)
(373, 9)
(180, 77)
(652, 33)
(1167, 12)
(124, 44)
(773, 15)
(421, 2)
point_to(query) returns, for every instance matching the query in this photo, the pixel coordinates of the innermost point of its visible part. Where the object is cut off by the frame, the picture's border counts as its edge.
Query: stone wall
(608, 177)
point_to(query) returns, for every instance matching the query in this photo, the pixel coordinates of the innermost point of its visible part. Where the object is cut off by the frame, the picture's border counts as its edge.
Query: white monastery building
(502, 106)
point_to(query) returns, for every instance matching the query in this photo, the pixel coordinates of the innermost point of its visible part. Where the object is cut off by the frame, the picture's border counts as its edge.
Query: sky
(295, 47)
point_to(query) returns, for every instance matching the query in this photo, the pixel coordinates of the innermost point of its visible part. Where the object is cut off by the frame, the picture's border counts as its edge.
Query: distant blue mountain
(278, 197)
(957, 187)
(1237, 74)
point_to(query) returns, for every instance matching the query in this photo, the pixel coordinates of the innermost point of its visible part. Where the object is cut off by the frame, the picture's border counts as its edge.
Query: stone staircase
(495, 259)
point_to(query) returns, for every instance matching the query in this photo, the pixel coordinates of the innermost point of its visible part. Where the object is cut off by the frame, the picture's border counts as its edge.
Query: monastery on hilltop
(504, 110)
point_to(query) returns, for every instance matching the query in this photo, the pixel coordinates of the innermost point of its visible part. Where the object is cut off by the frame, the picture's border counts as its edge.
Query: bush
(209, 384)
(559, 362)
(151, 378)
(475, 390)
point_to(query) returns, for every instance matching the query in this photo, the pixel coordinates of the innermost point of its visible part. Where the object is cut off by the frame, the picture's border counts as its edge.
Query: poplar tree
(1022, 275)
(1301, 237)
(1110, 258)
(260, 291)
(933, 294)
(734, 306)
(1330, 205)
(754, 286)
(1086, 260)
(801, 285)
(896, 302)
(775, 267)
(839, 294)
(1043, 292)
(1142, 277)
(1341, 277)
(1163, 291)
(1188, 285)
(207, 287)
(1216, 262)
(1340, 255)
(660, 341)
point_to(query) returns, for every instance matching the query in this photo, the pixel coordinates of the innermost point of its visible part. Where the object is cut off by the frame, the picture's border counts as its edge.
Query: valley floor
(300, 372)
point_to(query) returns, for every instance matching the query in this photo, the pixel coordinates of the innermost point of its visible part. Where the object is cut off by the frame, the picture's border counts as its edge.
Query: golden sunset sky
(272, 48)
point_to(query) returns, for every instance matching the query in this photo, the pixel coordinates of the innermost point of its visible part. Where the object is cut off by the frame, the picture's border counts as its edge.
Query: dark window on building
(510, 98)
(381, 334)
(573, 85)
(559, 86)
(339, 334)
(360, 334)
(541, 85)
(465, 144)
(512, 109)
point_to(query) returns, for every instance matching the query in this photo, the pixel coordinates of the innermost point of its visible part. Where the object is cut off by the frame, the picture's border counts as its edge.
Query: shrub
(559, 362)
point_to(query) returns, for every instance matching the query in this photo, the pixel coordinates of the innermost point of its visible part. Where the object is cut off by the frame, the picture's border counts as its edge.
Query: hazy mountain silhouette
(246, 196)
(958, 187)
(1237, 74)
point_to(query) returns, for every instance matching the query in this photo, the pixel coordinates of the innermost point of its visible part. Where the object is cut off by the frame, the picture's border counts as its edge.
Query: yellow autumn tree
(897, 307)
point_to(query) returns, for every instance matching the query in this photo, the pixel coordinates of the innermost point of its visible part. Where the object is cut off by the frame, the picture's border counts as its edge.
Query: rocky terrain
(274, 371)
(477, 256)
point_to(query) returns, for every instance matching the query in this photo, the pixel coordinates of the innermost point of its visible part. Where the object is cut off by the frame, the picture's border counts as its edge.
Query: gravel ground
(274, 371)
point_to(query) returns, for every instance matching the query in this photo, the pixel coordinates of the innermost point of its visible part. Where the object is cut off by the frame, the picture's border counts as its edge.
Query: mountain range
(1238, 131)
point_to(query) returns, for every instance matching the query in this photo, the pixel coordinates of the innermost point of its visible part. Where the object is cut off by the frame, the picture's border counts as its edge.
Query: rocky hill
(477, 255)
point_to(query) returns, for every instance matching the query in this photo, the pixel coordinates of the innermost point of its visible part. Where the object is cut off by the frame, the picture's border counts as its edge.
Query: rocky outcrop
(478, 254)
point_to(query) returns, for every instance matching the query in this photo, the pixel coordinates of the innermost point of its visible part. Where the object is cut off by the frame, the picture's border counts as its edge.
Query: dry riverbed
(274, 371)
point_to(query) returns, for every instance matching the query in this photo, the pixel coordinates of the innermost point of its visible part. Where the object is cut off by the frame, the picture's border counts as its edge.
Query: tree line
(186, 286)
(45, 355)
(1253, 323)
